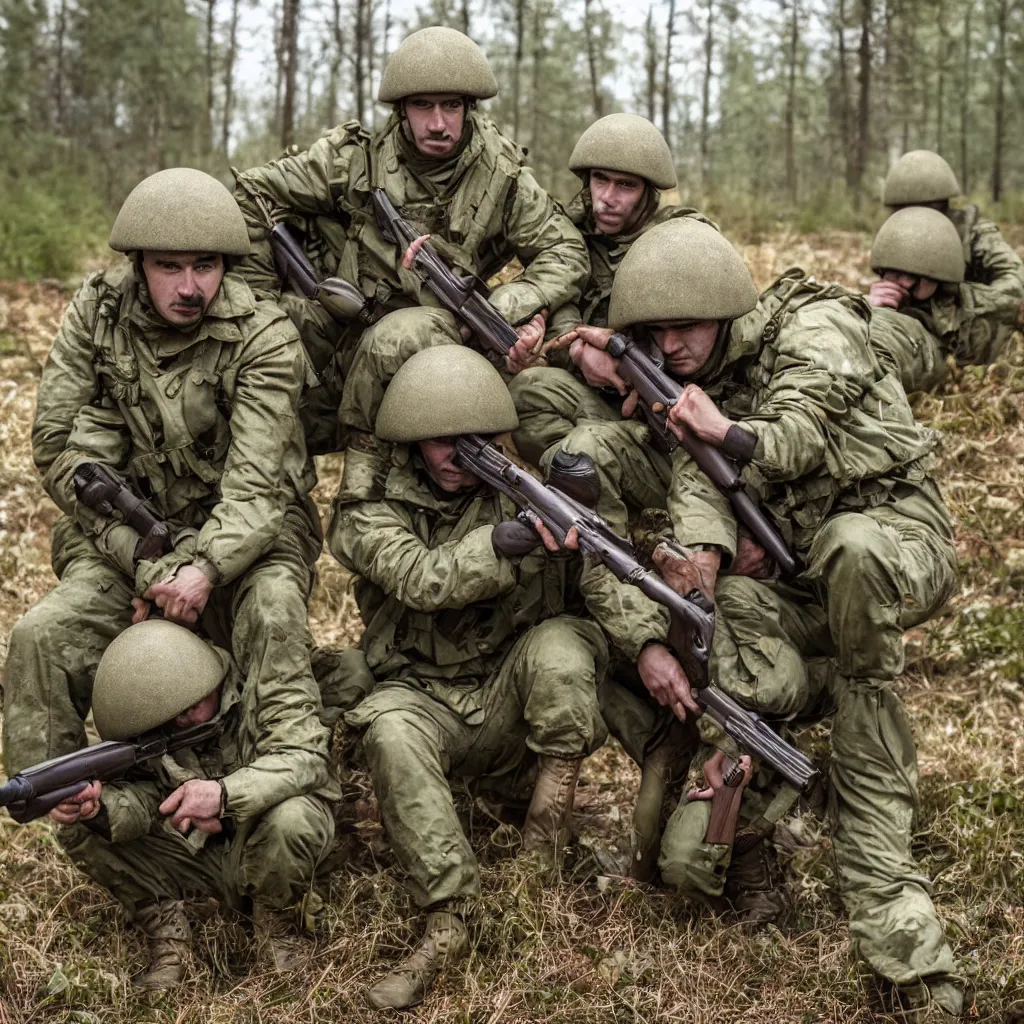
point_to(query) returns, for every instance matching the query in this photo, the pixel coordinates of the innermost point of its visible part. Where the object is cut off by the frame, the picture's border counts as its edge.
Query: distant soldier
(168, 372)
(487, 668)
(787, 385)
(921, 317)
(993, 288)
(456, 178)
(242, 817)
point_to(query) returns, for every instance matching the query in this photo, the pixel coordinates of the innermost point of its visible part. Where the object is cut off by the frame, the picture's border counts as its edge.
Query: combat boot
(546, 829)
(280, 946)
(752, 884)
(444, 942)
(167, 936)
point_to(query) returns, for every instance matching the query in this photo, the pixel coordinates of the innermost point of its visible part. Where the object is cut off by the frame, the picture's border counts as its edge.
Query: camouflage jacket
(203, 424)
(606, 253)
(271, 747)
(834, 431)
(441, 607)
(482, 208)
(994, 277)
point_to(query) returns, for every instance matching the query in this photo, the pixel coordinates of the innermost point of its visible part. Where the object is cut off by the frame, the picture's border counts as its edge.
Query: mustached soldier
(993, 283)
(169, 831)
(456, 178)
(167, 370)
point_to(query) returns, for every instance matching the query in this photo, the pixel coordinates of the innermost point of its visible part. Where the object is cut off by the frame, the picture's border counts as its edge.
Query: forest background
(776, 110)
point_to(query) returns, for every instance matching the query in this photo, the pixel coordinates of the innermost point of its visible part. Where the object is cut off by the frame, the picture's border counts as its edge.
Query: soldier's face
(435, 121)
(687, 344)
(617, 200)
(200, 713)
(920, 288)
(182, 284)
(439, 454)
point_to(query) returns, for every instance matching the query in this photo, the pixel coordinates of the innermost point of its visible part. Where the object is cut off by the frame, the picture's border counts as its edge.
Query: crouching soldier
(486, 669)
(167, 372)
(789, 387)
(925, 316)
(242, 816)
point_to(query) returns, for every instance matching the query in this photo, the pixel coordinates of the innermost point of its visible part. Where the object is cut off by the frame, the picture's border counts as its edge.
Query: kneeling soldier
(485, 668)
(242, 817)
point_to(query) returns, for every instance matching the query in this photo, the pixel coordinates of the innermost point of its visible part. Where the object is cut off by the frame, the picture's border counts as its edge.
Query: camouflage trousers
(55, 648)
(271, 861)
(542, 700)
(908, 350)
(557, 411)
(868, 577)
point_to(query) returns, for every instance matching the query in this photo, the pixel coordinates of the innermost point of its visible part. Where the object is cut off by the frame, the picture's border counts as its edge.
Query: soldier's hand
(685, 571)
(409, 257)
(198, 803)
(887, 293)
(80, 807)
(695, 410)
(714, 776)
(751, 560)
(140, 610)
(666, 681)
(599, 369)
(183, 596)
(529, 349)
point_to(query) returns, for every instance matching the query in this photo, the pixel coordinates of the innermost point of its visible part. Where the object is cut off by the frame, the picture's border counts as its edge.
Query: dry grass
(578, 951)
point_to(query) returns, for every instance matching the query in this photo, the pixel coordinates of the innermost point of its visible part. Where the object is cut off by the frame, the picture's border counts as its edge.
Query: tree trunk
(359, 68)
(705, 98)
(334, 67)
(651, 64)
(208, 137)
(289, 67)
(229, 78)
(371, 49)
(58, 70)
(464, 16)
(844, 98)
(940, 78)
(517, 67)
(588, 31)
(790, 116)
(666, 78)
(965, 92)
(539, 32)
(864, 101)
(1000, 107)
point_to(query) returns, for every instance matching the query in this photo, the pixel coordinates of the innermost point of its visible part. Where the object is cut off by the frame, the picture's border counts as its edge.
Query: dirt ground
(584, 950)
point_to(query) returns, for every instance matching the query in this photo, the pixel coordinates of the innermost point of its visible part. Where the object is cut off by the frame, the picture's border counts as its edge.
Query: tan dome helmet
(151, 673)
(680, 270)
(437, 60)
(919, 176)
(920, 241)
(180, 210)
(445, 391)
(629, 144)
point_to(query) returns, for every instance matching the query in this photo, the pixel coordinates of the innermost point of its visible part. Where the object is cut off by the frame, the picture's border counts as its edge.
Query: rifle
(343, 301)
(35, 791)
(103, 490)
(692, 615)
(659, 392)
(461, 296)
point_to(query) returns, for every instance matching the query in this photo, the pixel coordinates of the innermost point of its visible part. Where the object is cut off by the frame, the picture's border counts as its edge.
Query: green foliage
(48, 224)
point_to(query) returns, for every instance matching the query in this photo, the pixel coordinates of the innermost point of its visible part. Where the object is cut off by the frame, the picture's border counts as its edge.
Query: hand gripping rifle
(659, 392)
(692, 618)
(461, 296)
(34, 792)
(103, 490)
(343, 301)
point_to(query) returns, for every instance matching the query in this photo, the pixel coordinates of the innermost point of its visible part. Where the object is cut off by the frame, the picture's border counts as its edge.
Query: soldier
(923, 316)
(789, 387)
(241, 816)
(993, 287)
(457, 178)
(168, 370)
(485, 668)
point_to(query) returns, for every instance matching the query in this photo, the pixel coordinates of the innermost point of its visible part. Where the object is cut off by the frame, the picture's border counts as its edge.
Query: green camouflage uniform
(278, 826)
(205, 425)
(481, 207)
(481, 662)
(971, 322)
(842, 468)
(558, 409)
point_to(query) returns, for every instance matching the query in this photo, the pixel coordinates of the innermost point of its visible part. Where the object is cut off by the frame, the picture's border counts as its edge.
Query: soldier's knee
(396, 735)
(300, 823)
(409, 330)
(686, 861)
(527, 387)
(852, 544)
(276, 601)
(566, 652)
